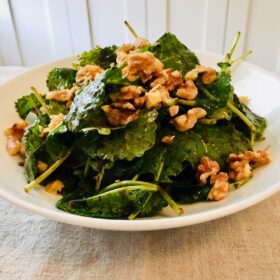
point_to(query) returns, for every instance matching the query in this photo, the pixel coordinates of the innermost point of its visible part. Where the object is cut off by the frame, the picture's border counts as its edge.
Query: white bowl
(262, 87)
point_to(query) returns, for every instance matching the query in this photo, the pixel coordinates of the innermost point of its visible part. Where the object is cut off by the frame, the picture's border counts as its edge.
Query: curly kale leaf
(127, 143)
(174, 54)
(58, 141)
(32, 140)
(61, 78)
(216, 95)
(138, 137)
(259, 122)
(86, 108)
(217, 142)
(27, 104)
(102, 57)
(117, 203)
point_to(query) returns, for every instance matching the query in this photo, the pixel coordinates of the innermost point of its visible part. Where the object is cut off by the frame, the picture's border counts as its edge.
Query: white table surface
(245, 245)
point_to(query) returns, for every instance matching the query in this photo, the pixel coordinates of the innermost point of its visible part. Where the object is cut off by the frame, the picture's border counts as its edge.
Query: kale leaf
(174, 54)
(102, 57)
(61, 78)
(86, 108)
(131, 142)
(117, 203)
(259, 122)
(27, 104)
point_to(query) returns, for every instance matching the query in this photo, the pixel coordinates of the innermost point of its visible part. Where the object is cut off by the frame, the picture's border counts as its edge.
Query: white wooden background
(36, 31)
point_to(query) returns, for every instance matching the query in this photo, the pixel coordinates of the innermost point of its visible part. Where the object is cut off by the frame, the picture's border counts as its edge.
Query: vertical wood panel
(33, 31)
(215, 25)
(156, 18)
(136, 16)
(237, 21)
(107, 17)
(79, 25)
(9, 44)
(186, 20)
(59, 28)
(263, 34)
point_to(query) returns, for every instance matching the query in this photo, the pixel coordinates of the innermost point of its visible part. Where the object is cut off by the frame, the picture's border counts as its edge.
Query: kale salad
(131, 129)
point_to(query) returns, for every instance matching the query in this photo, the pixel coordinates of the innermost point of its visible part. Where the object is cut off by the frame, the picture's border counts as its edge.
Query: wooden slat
(79, 25)
(136, 16)
(32, 27)
(106, 18)
(156, 19)
(236, 21)
(59, 28)
(9, 44)
(186, 20)
(215, 25)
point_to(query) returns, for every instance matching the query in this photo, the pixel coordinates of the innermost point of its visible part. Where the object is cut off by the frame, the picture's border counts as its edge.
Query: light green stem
(39, 97)
(241, 57)
(229, 55)
(240, 183)
(136, 213)
(190, 103)
(208, 121)
(159, 171)
(241, 116)
(130, 28)
(48, 172)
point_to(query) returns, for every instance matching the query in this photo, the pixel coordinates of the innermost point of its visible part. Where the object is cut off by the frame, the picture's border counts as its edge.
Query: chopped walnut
(62, 95)
(169, 79)
(209, 75)
(55, 121)
(188, 91)
(244, 100)
(88, 73)
(122, 53)
(187, 121)
(14, 135)
(130, 92)
(239, 165)
(173, 110)
(220, 188)
(156, 97)
(41, 166)
(54, 187)
(191, 75)
(167, 139)
(145, 65)
(139, 101)
(207, 168)
(123, 105)
(141, 43)
(118, 117)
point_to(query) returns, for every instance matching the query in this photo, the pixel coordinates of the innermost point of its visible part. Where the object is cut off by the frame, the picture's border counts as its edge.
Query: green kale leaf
(117, 203)
(102, 57)
(259, 122)
(27, 104)
(86, 108)
(138, 137)
(61, 78)
(174, 54)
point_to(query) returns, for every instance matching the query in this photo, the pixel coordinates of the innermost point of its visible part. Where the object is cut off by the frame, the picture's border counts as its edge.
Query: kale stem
(241, 57)
(186, 102)
(136, 176)
(87, 168)
(208, 121)
(241, 116)
(159, 171)
(35, 106)
(170, 201)
(41, 100)
(127, 183)
(229, 55)
(130, 28)
(136, 213)
(99, 178)
(208, 94)
(48, 172)
(240, 183)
